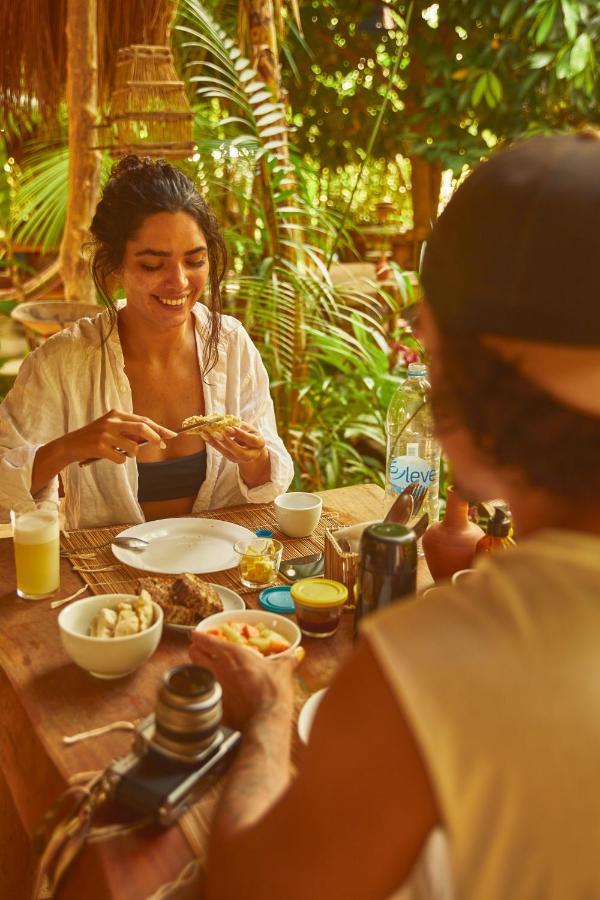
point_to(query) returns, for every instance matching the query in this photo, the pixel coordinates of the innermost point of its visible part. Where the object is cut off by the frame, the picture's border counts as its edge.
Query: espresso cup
(462, 575)
(298, 513)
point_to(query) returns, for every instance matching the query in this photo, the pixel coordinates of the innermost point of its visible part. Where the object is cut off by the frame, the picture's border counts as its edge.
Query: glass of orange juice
(36, 539)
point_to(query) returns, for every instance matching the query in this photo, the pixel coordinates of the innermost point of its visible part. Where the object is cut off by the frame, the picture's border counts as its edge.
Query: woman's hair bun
(129, 163)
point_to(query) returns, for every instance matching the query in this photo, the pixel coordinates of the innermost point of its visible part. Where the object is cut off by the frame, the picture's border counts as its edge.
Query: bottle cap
(277, 599)
(417, 369)
(500, 523)
(388, 547)
(319, 592)
(263, 532)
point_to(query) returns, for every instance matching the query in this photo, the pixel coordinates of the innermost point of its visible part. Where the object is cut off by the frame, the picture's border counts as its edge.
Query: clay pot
(449, 545)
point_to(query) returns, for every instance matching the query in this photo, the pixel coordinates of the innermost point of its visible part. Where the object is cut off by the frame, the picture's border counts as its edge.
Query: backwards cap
(514, 260)
(517, 250)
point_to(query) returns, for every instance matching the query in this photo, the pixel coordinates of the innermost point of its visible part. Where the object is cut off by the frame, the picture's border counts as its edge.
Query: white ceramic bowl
(283, 626)
(106, 657)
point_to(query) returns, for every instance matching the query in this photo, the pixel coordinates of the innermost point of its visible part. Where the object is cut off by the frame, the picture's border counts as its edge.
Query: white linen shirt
(72, 380)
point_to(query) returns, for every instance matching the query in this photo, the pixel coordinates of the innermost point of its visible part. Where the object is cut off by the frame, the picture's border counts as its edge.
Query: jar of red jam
(319, 603)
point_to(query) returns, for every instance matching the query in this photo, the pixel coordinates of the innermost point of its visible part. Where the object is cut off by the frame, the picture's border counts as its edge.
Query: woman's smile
(172, 301)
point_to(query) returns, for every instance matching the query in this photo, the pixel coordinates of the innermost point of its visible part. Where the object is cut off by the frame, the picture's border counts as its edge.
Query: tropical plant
(472, 73)
(318, 343)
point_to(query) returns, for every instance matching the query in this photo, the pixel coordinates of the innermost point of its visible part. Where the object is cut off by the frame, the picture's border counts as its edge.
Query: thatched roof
(33, 47)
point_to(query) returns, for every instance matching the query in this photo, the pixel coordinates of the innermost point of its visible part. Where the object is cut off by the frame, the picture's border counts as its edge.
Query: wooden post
(264, 56)
(426, 176)
(84, 163)
(263, 43)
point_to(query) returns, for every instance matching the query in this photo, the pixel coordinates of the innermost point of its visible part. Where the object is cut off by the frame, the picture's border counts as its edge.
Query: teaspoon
(129, 543)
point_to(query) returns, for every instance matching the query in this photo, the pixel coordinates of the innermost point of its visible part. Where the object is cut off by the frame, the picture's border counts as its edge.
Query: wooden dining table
(44, 696)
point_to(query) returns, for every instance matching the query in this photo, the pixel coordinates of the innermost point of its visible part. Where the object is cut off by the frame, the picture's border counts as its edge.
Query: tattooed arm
(353, 821)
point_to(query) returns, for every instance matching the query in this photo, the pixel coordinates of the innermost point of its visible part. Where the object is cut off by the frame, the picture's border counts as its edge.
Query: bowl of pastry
(111, 635)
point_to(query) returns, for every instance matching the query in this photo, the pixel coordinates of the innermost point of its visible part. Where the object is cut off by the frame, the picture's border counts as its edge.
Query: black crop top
(171, 479)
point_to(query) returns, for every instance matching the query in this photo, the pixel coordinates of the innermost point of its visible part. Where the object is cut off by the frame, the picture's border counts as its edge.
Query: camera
(178, 752)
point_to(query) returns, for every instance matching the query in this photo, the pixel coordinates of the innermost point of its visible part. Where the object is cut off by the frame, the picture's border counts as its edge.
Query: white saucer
(307, 714)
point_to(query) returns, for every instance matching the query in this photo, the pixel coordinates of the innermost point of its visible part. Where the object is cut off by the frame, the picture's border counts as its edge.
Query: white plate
(183, 545)
(307, 714)
(231, 602)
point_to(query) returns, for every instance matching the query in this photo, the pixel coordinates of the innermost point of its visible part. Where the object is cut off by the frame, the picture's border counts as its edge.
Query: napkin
(353, 534)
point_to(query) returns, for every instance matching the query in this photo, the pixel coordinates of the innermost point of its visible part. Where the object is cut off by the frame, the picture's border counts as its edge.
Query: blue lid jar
(277, 599)
(263, 532)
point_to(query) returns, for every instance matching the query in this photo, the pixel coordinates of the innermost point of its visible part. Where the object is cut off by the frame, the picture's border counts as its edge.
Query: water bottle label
(406, 470)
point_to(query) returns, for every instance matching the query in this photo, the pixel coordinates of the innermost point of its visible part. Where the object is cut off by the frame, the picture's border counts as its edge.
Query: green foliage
(342, 440)
(472, 73)
(319, 344)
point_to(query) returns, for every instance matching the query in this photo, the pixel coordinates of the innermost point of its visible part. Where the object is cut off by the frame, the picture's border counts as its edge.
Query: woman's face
(164, 269)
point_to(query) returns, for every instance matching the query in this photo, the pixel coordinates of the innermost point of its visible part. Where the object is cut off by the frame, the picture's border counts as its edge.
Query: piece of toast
(192, 592)
(179, 615)
(158, 588)
(213, 424)
(184, 601)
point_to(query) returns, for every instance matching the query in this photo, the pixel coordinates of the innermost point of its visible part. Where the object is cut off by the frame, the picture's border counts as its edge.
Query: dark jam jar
(319, 603)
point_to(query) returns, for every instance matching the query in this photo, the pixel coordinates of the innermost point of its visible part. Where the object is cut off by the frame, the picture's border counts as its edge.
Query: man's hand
(251, 685)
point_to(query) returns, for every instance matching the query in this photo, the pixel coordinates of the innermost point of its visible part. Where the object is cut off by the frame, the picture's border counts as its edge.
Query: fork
(418, 496)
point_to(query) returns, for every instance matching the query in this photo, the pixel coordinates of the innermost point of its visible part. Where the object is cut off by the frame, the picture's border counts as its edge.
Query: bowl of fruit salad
(262, 632)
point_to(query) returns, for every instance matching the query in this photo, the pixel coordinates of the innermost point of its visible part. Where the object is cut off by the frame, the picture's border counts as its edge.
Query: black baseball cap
(516, 252)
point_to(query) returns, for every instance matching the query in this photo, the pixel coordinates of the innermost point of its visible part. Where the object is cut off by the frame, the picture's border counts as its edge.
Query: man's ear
(426, 329)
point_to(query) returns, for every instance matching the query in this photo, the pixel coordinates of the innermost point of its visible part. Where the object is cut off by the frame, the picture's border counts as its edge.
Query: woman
(477, 709)
(118, 387)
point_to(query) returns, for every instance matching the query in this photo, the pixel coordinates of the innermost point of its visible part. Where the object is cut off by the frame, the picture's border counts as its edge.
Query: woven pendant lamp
(150, 113)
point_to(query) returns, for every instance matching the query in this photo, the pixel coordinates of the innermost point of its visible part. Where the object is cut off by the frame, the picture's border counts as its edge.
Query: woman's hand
(251, 685)
(114, 436)
(246, 447)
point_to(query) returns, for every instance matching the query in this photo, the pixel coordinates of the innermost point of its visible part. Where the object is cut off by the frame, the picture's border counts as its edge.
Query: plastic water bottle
(413, 454)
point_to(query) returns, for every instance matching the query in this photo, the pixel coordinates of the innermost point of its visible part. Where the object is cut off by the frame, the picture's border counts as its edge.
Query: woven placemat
(104, 574)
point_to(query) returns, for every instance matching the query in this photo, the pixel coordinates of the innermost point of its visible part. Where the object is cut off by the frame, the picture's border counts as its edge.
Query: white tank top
(500, 682)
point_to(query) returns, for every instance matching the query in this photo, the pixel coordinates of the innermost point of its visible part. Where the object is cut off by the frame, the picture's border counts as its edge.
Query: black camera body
(178, 752)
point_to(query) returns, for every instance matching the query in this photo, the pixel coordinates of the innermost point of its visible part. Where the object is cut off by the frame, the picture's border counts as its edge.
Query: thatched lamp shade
(150, 113)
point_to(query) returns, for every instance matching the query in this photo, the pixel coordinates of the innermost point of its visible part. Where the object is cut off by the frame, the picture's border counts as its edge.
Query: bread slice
(158, 588)
(184, 601)
(180, 615)
(213, 425)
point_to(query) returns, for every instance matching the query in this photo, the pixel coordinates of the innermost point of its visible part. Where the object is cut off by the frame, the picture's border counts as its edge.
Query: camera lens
(188, 712)
(189, 681)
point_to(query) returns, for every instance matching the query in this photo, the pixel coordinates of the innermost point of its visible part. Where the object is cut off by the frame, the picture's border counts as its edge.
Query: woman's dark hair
(514, 423)
(138, 188)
